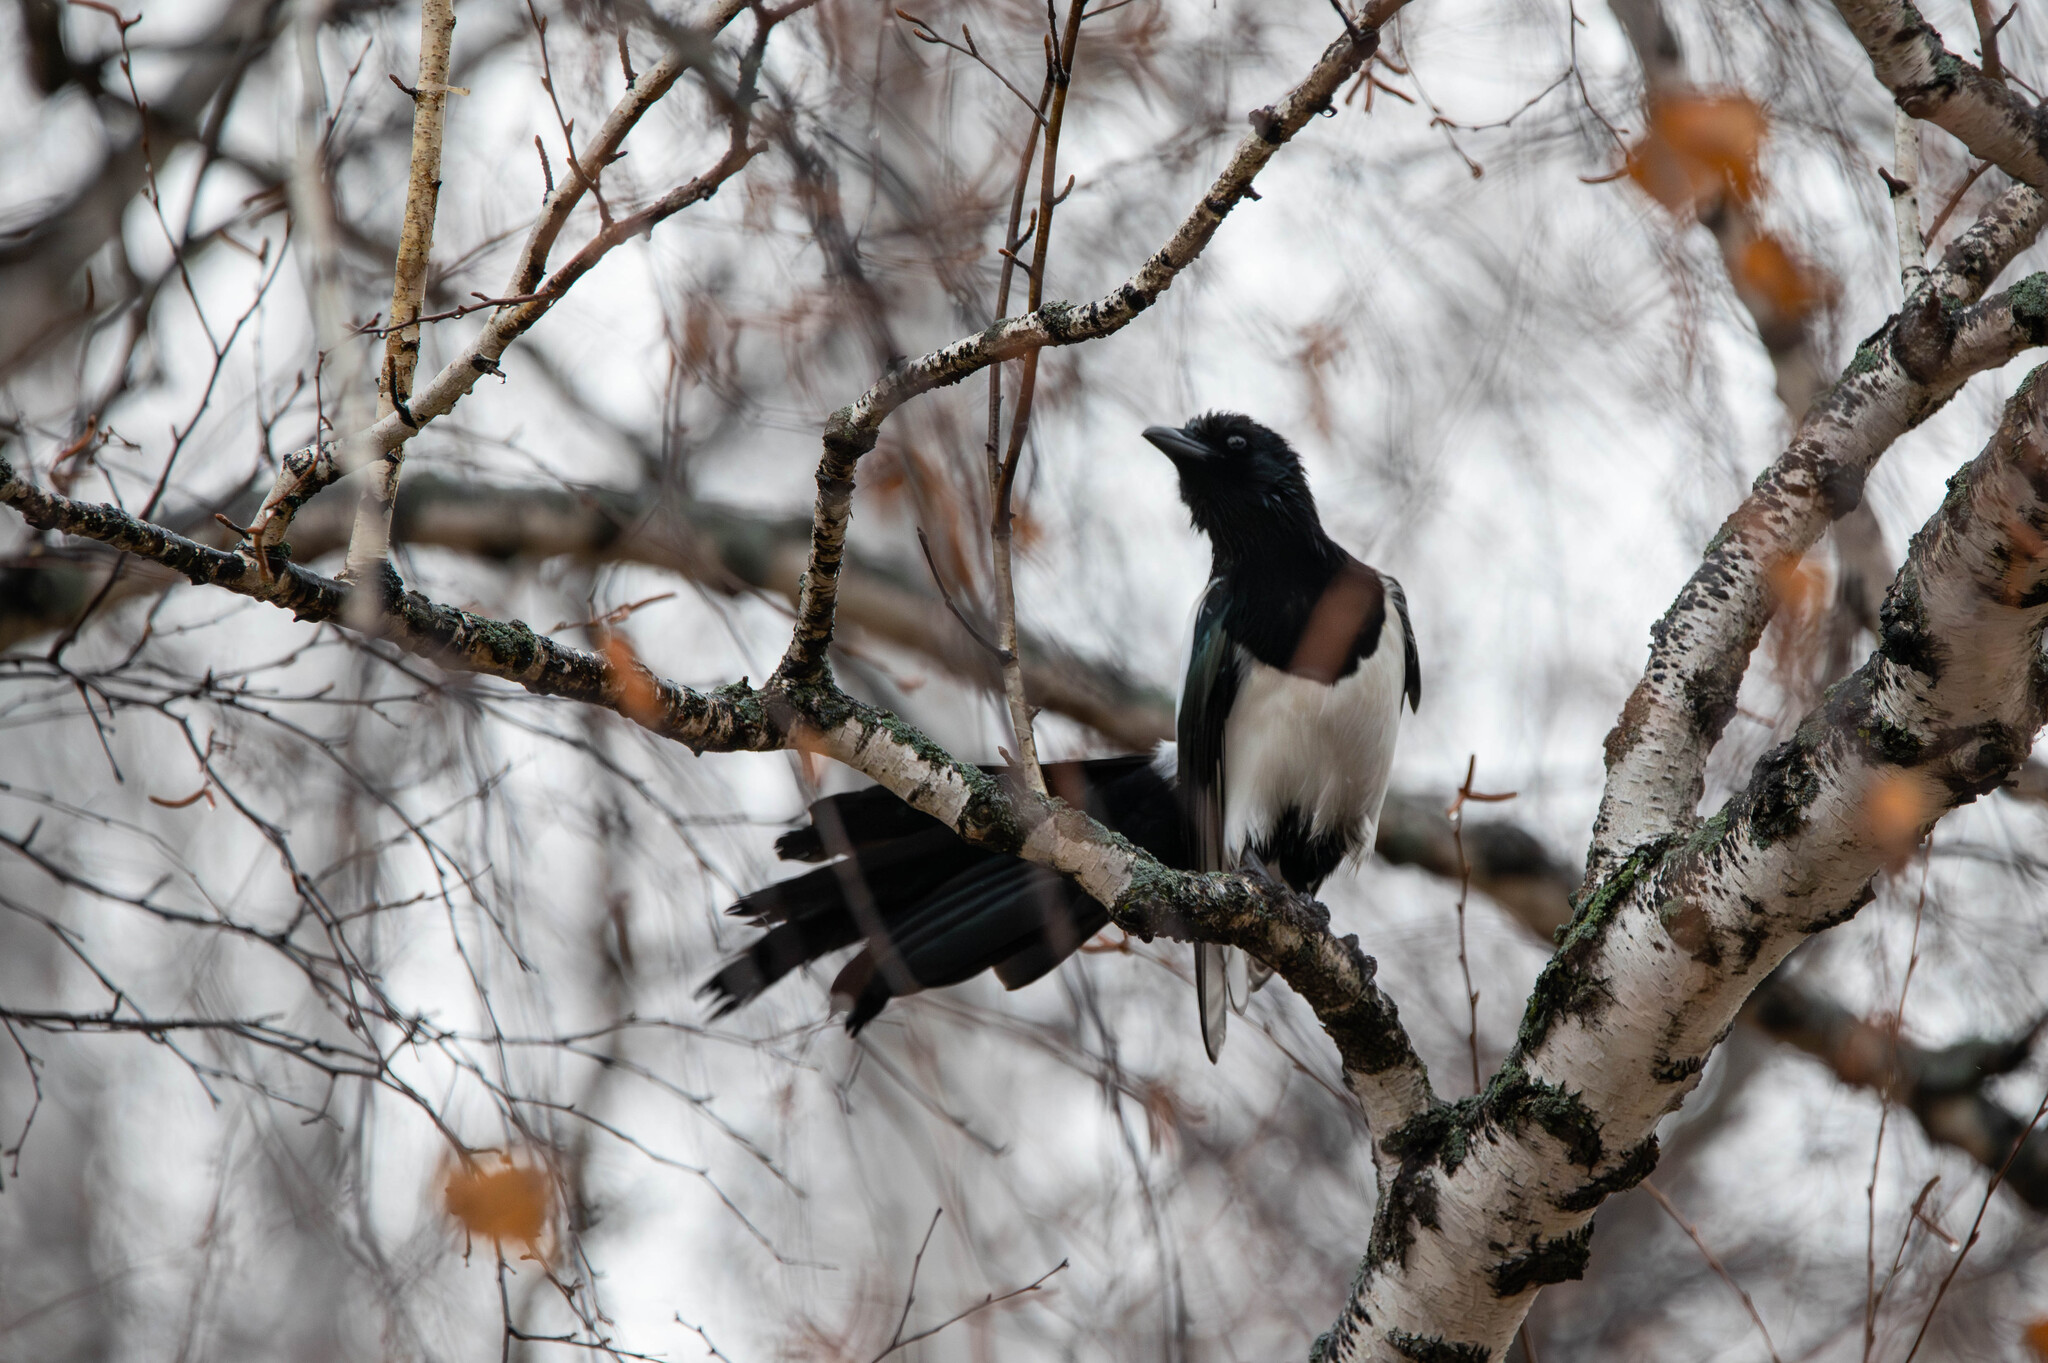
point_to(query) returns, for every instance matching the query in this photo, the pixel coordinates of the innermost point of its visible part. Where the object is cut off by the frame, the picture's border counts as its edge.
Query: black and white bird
(1300, 660)
(1287, 719)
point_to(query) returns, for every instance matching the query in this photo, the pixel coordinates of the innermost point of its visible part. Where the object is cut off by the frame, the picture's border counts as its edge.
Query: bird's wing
(1412, 685)
(1206, 696)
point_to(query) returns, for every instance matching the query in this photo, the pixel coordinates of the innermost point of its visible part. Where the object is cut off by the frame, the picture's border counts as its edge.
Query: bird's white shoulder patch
(1326, 750)
(1166, 760)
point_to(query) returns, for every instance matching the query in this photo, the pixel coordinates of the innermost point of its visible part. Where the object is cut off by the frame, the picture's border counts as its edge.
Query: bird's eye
(1236, 442)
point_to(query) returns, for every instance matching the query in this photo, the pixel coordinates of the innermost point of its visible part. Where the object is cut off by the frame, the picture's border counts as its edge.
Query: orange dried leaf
(2036, 1336)
(1896, 811)
(1698, 148)
(638, 695)
(1766, 271)
(1798, 586)
(505, 1203)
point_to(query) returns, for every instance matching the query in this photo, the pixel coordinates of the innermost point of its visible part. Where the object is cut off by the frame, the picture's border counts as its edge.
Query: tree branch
(1993, 120)
(1290, 932)
(1662, 952)
(852, 430)
(371, 542)
(690, 49)
(1901, 375)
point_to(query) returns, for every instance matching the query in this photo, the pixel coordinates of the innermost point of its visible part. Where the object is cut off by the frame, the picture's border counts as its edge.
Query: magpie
(1300, 659)
(1289, 710)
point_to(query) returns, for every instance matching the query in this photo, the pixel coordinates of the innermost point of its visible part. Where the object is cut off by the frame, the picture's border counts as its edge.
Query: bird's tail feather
(1212, 995)
(1237, 979)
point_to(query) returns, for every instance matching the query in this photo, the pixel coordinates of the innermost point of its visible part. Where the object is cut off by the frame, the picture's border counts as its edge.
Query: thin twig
(1977, 1224)
(483, 301)
(947, 596)
(899, 1340)
(1456, 814)
(1871, 1293)
(1060, 67)
(1955, 199)
(1719, 1269)
(925, 33)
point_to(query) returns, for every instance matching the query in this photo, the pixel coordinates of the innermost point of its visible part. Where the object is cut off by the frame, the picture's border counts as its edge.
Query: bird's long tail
(927, 908)
(1212, 994)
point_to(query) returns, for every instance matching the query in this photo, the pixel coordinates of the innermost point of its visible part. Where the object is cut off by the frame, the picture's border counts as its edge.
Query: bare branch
(1288, 931)
(1908, 370)
(852, 430)
(1993, 120)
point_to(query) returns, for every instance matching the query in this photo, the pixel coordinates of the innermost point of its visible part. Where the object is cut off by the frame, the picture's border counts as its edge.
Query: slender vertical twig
(1012, 243)
(1884, 1112)
(1059, 73)
(1456, 814)
(1905, 187)
(370, 543)
(1977, 1225)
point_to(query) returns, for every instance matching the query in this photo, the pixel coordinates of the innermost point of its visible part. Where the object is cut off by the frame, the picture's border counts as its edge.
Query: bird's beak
(1178, 445)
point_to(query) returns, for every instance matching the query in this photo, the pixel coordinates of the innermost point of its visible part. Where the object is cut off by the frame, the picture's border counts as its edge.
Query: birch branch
(1496, 1192)
(1928, 81)
(851, 431)
(1905, 188)
(690, 49)
(1290, 932)
(371, 542)
(1901, 375)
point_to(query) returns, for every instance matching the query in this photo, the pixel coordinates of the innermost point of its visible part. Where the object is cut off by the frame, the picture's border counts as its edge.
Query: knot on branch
(1921, 342)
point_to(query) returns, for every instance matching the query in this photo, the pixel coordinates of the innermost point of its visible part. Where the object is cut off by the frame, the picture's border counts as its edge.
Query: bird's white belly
(1292, 742)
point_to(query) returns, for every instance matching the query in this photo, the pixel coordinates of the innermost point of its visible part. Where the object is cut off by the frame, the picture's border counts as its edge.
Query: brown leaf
(505, 1203)
(1798, 586)
(1897, 808)
(1767, 271)
(2036, 1336)
(639, 697)
(1698, 148)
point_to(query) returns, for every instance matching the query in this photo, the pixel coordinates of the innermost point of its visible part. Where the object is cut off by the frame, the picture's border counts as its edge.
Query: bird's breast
(1321, 749)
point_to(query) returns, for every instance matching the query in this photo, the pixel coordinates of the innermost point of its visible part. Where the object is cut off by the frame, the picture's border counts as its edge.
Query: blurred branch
(1786, 332)
(1943, 1087)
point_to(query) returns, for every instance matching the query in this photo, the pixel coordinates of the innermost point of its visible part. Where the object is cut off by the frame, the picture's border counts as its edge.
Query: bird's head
(1243, 484)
